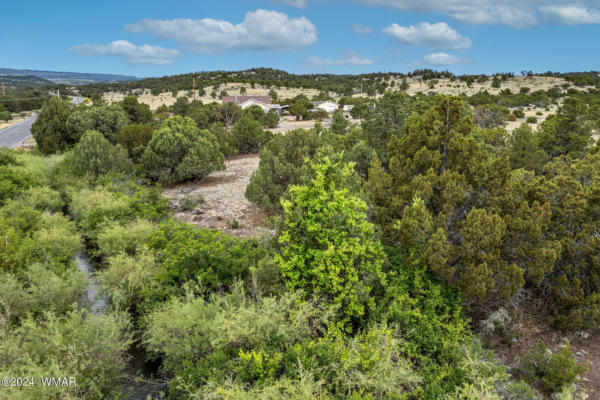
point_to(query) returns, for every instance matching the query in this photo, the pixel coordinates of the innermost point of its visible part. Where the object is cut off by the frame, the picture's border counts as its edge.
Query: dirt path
(224, 201)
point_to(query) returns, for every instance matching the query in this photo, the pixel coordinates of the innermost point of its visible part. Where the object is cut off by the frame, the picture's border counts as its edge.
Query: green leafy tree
(5, 116)
(138, 113)
(230, 113)
(340, 123)
(438, 174)
(525, 151)
(249, 135)
(273, 95)
(328, 246)
(280, 166)
(256, 113)
(50, 128)
(135, 138)
(108, 120)
(95, 155)
(299, 108)
(490, 115)
(181, 106)
(567, 132)
(272, 119)
(227, 143)
(179, 151)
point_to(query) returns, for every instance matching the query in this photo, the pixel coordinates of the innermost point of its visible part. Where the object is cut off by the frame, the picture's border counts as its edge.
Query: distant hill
(71, 78)
(16, 81)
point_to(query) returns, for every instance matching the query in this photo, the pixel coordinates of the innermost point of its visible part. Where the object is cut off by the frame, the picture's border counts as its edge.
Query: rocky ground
(223, 205)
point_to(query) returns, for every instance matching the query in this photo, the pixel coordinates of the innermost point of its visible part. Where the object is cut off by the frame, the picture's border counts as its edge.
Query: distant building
(264, 102)
(326, 105)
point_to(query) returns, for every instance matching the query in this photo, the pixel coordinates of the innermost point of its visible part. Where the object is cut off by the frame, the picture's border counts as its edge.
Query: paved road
(17, 134)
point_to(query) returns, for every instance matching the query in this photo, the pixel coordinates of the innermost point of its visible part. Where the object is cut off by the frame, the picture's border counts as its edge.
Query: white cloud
(439, 36)
(294, 3)
(260, 30)
(349, 58)
(571, 15)
(440, 59)
(361, 29)
(133, 54)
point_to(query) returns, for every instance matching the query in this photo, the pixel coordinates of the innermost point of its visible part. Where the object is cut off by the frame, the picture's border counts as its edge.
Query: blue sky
(155, 38)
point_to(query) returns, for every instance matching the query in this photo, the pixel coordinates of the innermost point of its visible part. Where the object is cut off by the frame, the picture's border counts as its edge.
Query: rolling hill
(71, 78)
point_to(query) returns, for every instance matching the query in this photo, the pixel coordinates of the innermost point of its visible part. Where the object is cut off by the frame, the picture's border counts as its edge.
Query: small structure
(326, 105)
(264, 102)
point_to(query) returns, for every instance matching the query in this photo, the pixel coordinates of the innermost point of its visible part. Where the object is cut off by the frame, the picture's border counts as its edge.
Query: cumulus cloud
(349, 58)
(361, 29)
(571, 15)
(440, 59)
(133, 54)
(260, 30)
(294, 3)
(439, 36)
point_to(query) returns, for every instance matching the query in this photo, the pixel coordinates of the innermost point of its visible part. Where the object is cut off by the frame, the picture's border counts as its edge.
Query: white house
(264, 102)
(326, 105)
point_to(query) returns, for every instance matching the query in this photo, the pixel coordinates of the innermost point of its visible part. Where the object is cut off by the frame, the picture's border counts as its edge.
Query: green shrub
(562, 369)
(249, 134)
(328, 247)
(180, 151)
(135, 138)
(227, 142)
(37, 290)
(531, 120)
(186, 253)
(556, 371)
(127, 276)
(280, 165)
(519, 113)
(108, 120)
(29, 236)
(50, 128)
(116, 238)
(90, 348)
(95, 155)
(189, 202)
(272, 119)
(42, 198)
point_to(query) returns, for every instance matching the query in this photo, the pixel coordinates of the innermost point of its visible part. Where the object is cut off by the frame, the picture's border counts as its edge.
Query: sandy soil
(445, 86)
(224, 200)
(232, 89)
(289, 123)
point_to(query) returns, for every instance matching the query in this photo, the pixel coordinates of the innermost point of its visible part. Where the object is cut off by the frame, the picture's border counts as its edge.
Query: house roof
(317, 103)
(242, 99)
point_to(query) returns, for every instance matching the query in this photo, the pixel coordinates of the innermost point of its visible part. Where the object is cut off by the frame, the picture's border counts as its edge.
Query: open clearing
(224, 200)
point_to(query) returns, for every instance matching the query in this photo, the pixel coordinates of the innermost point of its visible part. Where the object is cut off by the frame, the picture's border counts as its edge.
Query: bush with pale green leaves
(90, 348)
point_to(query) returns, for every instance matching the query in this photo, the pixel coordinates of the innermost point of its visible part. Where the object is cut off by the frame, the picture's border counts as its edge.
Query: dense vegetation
(391, 239)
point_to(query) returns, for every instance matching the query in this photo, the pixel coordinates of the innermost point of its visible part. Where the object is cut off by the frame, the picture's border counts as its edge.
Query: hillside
(71, 78)
(13, 81)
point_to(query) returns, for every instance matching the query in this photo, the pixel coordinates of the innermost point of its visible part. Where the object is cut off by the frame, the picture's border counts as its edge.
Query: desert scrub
(190, 201)
(556, 371)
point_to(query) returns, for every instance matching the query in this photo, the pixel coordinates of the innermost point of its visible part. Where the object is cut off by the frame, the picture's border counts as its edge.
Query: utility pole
(3, 89)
